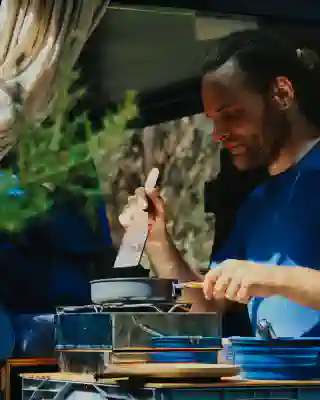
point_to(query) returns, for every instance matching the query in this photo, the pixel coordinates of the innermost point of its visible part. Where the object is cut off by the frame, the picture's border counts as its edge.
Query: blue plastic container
(277, 359)
(191, 349)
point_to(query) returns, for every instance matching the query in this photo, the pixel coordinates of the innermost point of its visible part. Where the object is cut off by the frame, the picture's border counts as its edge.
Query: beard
(265, 147)
(276, 132)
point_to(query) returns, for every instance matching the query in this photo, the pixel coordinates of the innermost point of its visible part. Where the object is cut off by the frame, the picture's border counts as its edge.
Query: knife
(136, 235)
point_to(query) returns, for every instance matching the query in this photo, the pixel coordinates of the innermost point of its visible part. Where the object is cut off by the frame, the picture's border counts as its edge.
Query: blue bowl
(210, 357)
(186, 342)
(280, 342)
(286, 373)
(275, 359)
(283, 358)
(194, 344)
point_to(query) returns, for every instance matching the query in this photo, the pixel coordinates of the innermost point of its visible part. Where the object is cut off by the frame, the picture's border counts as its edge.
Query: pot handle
(70, 309)
(176, 290)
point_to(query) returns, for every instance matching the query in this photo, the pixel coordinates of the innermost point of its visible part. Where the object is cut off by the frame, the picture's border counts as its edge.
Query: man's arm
(298, 284)
(240, 280)
(168, 263)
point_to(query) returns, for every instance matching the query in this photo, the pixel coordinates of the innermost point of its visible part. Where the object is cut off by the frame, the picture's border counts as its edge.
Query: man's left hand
(238, 281)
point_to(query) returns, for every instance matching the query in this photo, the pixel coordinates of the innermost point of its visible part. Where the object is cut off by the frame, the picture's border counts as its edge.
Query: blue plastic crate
(246, 393)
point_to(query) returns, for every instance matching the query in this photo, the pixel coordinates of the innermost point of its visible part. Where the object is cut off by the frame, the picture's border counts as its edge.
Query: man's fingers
(132, 201)
(232, 279)
(209, 282)
(243, 294)
(221, 286)
(140, 192)
(141, 199)
(157, 201)
(208, 285)
(232, 290)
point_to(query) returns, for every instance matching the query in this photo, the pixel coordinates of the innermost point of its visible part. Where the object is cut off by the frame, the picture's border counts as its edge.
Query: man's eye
(232, 115)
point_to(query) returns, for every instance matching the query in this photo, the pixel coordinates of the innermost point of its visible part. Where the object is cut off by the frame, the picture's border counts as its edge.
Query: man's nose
(220, 136)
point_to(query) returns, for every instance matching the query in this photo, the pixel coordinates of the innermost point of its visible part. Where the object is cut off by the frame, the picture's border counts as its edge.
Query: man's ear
(282, 93)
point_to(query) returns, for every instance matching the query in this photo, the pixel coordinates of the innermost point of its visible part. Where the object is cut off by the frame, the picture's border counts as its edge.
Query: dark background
(156, 52)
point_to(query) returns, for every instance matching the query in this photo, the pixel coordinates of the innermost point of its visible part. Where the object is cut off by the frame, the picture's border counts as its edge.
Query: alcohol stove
(90, 337)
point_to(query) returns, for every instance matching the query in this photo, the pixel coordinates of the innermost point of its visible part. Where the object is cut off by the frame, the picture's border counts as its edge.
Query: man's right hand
(153, 203)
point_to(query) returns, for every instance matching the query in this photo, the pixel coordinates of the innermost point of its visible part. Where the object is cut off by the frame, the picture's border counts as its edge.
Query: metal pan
(158, 290)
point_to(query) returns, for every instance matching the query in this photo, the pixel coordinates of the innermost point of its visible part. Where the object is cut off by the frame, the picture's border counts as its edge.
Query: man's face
(251, 126)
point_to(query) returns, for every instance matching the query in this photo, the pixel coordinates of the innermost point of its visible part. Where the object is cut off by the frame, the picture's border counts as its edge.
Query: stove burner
(127, 307)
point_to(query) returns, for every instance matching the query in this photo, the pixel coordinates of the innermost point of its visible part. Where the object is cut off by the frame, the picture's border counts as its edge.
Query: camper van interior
(157, 49)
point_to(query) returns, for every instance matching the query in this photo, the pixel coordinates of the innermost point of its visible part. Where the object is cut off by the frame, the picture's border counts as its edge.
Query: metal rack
(83, 387)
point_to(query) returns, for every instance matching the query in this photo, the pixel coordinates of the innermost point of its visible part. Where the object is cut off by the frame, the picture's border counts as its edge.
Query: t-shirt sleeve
(234, 246)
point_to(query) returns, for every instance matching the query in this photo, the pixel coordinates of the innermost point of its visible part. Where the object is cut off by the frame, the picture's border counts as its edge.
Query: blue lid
(279, 342)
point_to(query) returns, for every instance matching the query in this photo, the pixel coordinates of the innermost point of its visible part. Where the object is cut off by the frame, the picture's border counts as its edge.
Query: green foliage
(51, 156)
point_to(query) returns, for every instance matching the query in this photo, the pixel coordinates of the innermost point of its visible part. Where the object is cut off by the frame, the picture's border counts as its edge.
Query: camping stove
(90, 337)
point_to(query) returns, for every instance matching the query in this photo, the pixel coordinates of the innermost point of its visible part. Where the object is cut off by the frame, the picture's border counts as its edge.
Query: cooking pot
(136, 289)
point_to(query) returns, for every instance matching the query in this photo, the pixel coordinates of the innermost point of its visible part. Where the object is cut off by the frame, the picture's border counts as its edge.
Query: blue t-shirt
(280, 224)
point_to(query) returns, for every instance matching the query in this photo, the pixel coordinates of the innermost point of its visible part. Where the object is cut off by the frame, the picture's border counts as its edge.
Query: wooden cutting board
(123, 358)
(171, 370)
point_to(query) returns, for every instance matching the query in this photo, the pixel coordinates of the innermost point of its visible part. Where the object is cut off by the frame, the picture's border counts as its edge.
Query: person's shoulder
(310, 163)
(307, 171)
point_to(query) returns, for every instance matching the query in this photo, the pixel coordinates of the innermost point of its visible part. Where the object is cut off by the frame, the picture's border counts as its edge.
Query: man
(263, 96)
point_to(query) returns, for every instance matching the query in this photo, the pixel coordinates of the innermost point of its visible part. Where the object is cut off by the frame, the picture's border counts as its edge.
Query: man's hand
(154, 205)
(240, 280)
(148, 199)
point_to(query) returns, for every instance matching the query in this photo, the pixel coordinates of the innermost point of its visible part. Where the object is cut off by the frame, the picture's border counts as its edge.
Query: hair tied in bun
(308, 57)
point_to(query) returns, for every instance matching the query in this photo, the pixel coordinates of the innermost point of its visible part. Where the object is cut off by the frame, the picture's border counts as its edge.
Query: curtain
(34, 36)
